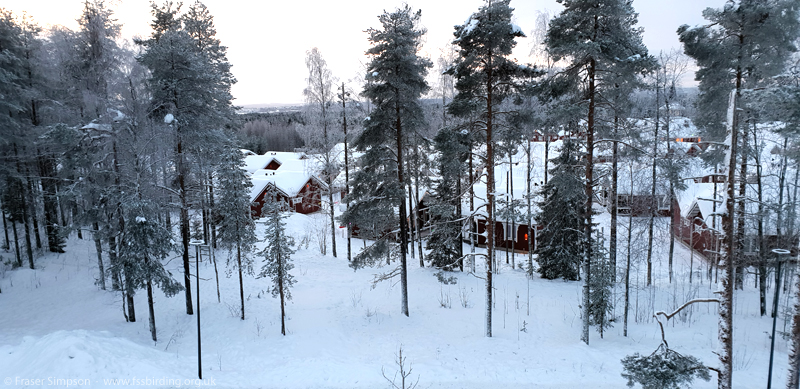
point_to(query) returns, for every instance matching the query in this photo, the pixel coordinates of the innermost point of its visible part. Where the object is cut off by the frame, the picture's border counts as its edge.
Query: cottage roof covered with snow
(288, 172)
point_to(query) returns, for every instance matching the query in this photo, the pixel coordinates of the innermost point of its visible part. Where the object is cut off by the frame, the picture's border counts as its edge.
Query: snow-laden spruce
(277, 255)
(236, 229)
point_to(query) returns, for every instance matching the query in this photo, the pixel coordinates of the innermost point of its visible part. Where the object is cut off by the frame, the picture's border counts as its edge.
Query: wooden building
(300, 193)
(288, 177)
(506, 235)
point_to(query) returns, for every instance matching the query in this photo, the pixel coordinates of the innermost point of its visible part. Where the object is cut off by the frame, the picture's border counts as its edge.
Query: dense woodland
(138, 147)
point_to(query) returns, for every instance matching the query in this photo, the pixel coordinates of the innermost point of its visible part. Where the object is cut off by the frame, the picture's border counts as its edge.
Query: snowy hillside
(342, 333)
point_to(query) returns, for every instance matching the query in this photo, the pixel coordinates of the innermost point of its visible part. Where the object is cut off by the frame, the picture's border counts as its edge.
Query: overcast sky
(267, 40)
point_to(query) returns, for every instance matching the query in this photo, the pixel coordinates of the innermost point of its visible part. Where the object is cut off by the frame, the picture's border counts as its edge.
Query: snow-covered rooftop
(295, 170)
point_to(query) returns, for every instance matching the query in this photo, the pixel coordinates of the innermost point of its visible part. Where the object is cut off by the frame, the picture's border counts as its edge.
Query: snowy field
(342, 333)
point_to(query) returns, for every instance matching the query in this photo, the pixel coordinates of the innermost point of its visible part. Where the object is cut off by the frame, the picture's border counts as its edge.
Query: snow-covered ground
(56, 324)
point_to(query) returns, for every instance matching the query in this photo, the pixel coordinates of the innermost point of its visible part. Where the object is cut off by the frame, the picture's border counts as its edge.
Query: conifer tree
(595, 38)
(664, 368)
(395, 82)
(190, 87)
(144, 243)
(14, 124)
(746, 42)
(11, 107)
(277, 256)
(236, 227)
(97, 56)
(444, 242)
(558, 243)
(485, 77)
(11, 71)
(601, 286)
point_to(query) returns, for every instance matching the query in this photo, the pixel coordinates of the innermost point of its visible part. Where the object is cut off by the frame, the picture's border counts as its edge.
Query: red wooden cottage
(298, 192)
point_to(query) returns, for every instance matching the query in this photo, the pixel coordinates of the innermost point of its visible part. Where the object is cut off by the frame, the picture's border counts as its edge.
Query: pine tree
(485, 77)
(190, 87)
(664, 368)
(395, 82)
(236, 227)
(596, 38)
(558, 243)
(747, 41)
(277, 256)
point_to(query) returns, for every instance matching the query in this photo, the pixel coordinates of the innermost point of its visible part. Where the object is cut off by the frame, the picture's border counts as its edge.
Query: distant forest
(276, 131)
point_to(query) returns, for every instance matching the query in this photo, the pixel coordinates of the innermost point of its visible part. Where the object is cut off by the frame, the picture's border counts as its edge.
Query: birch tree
(320, 96)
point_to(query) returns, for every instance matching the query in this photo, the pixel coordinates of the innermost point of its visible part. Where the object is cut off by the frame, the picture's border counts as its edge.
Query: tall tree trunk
(512, 213)
(762, 269)
(762, 248)
(457, 202)
(529, 216)
(490, 196)
(587, 224)
(628, 266)
(167, 217)
(16, 244)
(793, 379)
(212, 223)
(151, 309)
(280, 291)
(129, 294)
(473, 228)
(729, 254)
(333, 220)
(7, 243)
(793, 213)
(112, 258)
(346, 167)
(28, 233)
(412, 213)
(241, 283)
(652, 203)
(672, 200)
(184, 220)
(99, 248)
(740, 214)
(24, 197)
(50, 200)
(216, 272)
(32, 196)
(411, 210)
(417, 223)
(74, 215)
(546, 157)
(612, 244)
(403, 213)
